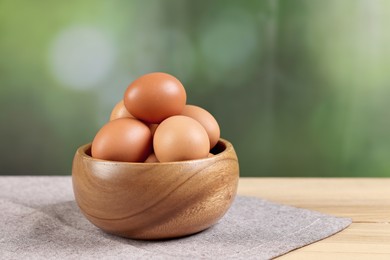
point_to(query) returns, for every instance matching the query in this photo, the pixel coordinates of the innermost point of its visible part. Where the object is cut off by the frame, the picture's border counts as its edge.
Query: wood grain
(155, 200)
(358, 241)
(365, 200)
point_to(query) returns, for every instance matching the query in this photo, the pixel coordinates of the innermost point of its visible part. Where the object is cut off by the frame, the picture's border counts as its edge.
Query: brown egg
(120, 111)
(206, 120)
(151, 158)
(180, 138)
(123, 139)
(154, 97)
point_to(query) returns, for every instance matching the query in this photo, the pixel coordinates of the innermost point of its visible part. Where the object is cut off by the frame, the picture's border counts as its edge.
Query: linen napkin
(40, 220)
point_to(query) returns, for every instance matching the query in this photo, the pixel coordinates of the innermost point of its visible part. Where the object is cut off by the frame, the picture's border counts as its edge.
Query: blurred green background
(301, 88)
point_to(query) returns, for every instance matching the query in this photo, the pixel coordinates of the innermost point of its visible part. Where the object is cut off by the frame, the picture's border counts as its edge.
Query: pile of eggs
(153, 123)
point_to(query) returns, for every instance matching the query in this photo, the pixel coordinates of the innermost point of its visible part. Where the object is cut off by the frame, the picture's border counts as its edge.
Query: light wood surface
(365, 200)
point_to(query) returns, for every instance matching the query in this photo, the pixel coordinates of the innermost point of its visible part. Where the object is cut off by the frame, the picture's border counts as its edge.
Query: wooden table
(365, 200)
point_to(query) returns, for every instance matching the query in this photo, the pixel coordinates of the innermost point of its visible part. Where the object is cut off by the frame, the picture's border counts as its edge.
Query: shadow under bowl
(155, 200)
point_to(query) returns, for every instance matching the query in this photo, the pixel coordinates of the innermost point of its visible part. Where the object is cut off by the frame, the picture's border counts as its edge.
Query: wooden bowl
(155, 200)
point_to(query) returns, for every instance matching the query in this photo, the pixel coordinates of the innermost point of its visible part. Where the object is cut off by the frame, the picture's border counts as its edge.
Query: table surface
(365, 200)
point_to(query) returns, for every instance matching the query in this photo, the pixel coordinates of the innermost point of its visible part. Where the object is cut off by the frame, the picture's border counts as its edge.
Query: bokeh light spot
(81, 57)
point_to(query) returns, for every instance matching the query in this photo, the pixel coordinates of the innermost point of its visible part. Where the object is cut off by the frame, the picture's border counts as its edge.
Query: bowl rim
(82, 151)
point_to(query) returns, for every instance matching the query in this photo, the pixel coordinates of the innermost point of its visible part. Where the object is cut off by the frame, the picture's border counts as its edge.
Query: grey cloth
(40, 220)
